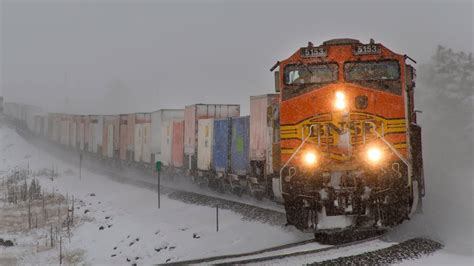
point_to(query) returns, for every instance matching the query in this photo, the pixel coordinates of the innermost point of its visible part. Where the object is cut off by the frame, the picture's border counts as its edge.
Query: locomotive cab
(349, 146)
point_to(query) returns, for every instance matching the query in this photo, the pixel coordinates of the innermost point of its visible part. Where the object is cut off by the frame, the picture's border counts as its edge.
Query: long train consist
(338, 143)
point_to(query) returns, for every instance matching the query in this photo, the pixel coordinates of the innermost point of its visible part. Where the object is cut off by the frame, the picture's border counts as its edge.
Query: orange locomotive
(350, 148)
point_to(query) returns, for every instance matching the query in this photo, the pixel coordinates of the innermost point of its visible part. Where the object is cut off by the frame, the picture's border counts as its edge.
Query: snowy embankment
(117, 223)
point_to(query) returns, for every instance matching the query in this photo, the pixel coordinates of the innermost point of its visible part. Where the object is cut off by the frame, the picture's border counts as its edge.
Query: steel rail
(215, 260)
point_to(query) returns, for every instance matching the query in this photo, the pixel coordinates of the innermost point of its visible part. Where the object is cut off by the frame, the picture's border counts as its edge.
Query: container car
(142, 143)
(96, 125)
(177, 148)
(166, 143)
(123, 137)
(204, 145)
(260, 144)
(221, 146)
(240, 135)
(157, 118)
(110, 136)
(192, 114)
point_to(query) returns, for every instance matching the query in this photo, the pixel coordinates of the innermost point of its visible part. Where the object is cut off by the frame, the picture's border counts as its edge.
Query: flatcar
(349, 146)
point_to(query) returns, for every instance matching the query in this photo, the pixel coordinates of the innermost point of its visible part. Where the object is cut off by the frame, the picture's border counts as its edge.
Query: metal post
(217, 218)
(60, 250)
(159, 192)
(80, 165)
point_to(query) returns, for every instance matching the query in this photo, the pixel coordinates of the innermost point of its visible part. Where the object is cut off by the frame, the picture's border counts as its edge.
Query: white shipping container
(138, 144)
(81, 136)
(72, 134)
(95, 133)
(205, 140)
(157, 118)
(110, 141)
(166, 142)
(260, 130)
(146, 150)
(64, 130)
(93, 140)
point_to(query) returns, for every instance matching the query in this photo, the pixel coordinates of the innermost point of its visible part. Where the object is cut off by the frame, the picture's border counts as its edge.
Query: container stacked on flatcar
(192, 114)
(177, 148)
(161, 133)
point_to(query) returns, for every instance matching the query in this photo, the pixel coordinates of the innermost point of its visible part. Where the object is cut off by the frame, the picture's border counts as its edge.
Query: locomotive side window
(310, 74)
(381, 75)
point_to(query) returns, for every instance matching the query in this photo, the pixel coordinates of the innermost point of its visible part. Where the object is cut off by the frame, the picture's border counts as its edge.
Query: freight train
(337, 144)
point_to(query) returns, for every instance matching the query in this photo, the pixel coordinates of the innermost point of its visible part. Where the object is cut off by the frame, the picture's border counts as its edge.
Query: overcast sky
(111, 57)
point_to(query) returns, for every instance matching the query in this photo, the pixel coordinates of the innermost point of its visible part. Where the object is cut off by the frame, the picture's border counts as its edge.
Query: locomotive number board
(314, 52)
(366, 49)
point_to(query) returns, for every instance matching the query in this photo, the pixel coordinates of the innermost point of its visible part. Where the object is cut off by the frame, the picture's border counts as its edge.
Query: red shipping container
(177, 147)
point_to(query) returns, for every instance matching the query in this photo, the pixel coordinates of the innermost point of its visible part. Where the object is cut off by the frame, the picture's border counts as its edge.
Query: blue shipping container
(221, 145)
(239, 159)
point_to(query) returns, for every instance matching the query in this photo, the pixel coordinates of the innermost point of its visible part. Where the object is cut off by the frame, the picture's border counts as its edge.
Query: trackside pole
(159, 192)
(217, 218)
(158, 170)
(80, 165)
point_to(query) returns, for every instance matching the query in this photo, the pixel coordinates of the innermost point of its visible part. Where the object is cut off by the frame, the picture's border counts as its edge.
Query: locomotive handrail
(294, 154)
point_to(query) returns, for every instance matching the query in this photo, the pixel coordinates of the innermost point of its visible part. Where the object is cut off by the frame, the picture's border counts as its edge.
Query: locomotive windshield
(384, 70)
(380, 75)
(310, 74)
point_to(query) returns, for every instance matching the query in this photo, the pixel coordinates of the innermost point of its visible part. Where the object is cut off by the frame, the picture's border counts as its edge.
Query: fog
(104, 57)
(108, 57)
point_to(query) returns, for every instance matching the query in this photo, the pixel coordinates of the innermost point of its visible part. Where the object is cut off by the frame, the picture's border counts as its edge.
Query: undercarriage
(329, 201)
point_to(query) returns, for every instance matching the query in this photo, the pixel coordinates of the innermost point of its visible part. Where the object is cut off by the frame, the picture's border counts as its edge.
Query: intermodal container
(123, 136)
(110, 136)
(166, 142)
(260, 129)
(192, 114)
(131, 137)
(72, 131)
(157, 118)
(239, 158)
(80, 134)
(96, 124)
(204, 146)
(142, 143)
(221, 145)
(177, 148)
(64, 129)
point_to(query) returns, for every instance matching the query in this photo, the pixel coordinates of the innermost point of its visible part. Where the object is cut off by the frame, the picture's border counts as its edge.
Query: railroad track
(262, 256)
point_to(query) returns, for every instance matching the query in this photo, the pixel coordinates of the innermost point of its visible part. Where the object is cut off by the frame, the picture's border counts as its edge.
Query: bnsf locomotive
(350, 148)
(338, 143)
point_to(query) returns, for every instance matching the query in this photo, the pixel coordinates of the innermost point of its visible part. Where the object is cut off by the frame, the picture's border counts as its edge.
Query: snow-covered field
(134, 228)
(119, 223)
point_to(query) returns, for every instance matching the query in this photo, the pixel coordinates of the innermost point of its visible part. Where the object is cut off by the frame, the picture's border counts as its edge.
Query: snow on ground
(134, 230)
(441, 257)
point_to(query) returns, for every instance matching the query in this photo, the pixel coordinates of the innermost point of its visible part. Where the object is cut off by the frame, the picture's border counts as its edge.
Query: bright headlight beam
(340, 103)
(340, 95)
(310, 158)
(374, 154)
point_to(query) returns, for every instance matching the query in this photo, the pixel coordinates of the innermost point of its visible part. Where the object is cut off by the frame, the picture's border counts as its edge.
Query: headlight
(374, 155)
(310, 158)
(340, 103)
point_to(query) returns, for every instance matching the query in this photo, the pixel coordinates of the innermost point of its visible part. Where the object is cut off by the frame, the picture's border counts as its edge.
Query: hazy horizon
(131, 56)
